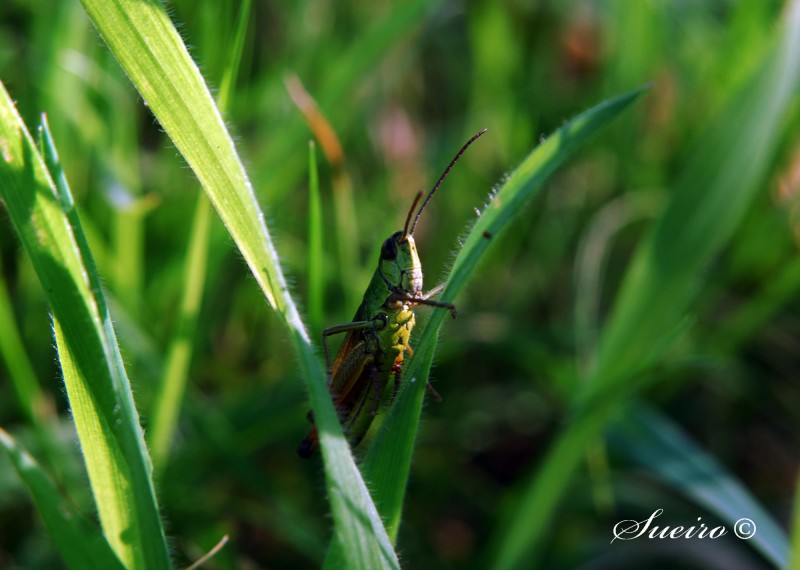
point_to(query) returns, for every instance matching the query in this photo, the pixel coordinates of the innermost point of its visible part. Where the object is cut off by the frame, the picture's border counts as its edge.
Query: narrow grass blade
(173, 383)
(316, 270)
(80, 545)
(709, 200)
(179, 356)
(44, 217)
(36, 405)
(387, 462)
(651, 440)
(343, 201)
(29, 394)
(149, 49)
(778, 290)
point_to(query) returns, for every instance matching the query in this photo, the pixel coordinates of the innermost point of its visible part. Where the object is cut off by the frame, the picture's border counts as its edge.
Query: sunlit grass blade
(716, 188)
(149, 49)
(105, 415)
(81, 546)
(40, 207)
(387, 462)
(659, 446)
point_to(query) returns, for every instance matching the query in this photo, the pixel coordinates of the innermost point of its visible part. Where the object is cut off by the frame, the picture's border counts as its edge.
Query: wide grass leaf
(152, 54)
(40, 207)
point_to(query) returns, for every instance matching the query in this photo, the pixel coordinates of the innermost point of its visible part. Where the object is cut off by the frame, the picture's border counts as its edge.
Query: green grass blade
(176, 371)
(37, 406)
(44, 217)
(29, 394)
(179, 356)
(387, 462)
(316, 260)
(709, 199)
(777, 292)
(711, 196)
(657, 444)
(81, 546)
(149, 49)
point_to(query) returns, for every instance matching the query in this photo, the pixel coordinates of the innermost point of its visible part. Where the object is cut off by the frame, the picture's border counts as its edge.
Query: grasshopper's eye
(389, 249)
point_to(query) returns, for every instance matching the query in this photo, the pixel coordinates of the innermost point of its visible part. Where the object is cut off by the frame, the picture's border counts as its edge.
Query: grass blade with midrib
(152, 54)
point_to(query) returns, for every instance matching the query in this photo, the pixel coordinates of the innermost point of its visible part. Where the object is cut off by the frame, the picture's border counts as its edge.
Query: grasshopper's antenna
(441, 178)
(410, 213)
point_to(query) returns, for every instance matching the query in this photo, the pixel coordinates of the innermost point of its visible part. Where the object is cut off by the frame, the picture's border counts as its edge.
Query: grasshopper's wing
(346, 370)
(355, 392)
(348, 374)
(345, 354)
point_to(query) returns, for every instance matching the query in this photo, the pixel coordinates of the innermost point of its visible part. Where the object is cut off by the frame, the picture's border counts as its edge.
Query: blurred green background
(403, 86)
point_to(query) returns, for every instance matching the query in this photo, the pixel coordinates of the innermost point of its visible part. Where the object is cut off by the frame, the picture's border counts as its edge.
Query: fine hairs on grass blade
(81, 546)
(152, 54)
(118, 462)
(387, 462)
(40, 207)
(714, 191)
(654, 442)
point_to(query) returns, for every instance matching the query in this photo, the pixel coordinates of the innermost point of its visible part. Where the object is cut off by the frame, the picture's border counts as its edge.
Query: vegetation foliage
(626, 293)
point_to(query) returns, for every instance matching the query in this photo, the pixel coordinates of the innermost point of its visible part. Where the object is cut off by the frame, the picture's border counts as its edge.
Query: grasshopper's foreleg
(425, 299)
(427, 302)
(433, 292)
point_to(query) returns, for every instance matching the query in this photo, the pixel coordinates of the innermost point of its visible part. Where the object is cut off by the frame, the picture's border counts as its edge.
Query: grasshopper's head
(399, 263)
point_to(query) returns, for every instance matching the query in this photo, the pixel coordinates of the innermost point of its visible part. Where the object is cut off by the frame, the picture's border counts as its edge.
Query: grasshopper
(377, 338)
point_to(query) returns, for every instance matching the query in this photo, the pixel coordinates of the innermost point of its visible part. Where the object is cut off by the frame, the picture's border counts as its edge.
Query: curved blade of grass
(710, 199)
(81, 546)
(653, 441)
(387, 462)
(149, 49)
(102, 406)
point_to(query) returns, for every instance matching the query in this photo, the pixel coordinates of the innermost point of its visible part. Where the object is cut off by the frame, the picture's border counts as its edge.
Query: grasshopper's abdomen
(384, 363)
